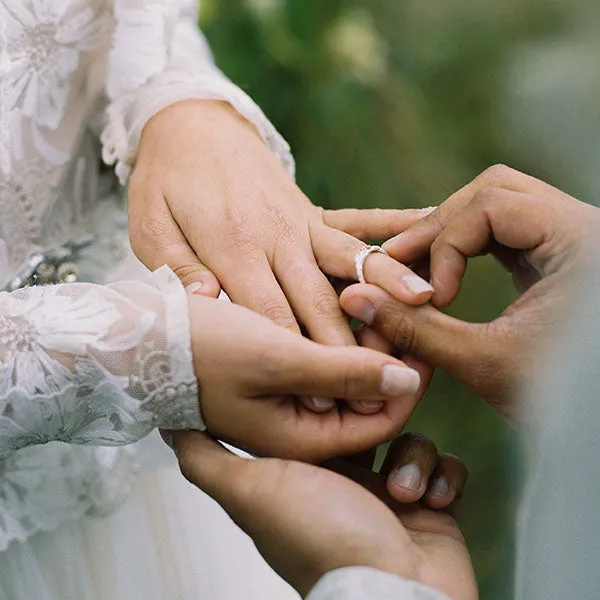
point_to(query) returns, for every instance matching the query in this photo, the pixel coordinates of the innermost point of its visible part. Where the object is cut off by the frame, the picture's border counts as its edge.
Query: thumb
(465, 350)
(208, 465)
(247, 489)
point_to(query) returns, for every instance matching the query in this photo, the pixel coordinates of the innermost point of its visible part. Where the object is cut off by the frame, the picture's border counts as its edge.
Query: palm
(348, 520)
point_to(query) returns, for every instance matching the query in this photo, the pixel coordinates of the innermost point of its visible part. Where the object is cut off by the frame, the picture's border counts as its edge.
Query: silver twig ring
(361, 257)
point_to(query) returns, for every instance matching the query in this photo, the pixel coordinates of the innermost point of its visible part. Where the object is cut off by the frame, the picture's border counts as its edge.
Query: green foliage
(391, 103)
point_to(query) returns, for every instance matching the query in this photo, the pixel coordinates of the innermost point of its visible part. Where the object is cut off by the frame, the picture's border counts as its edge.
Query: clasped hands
(263, 387)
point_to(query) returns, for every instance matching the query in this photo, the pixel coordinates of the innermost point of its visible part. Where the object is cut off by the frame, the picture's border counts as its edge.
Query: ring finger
(335, 252)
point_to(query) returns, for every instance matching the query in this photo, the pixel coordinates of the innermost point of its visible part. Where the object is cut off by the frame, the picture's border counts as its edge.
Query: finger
(423, 332)
(335, 252)
(208, 465)
(364, 460)
(446, 483)
(305, 368)
(317, 306)
(410, 461)
(314, 301)
(317, 404)
(258, 290)
(156, 240)
(414, 243)
(369, 338)
(512, 219)
(373, 224)
(288, 430)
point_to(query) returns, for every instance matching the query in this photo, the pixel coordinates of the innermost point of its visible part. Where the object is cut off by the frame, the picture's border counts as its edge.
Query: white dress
(88, 369)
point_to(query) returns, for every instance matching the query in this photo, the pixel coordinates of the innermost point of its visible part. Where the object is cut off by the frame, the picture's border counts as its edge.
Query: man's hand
(539, 233)
(307, 521)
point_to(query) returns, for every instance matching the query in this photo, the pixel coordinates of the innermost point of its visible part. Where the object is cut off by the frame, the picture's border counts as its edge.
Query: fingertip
(439, 494)
(358, 301)
(206, 285)
(405, 483)
(366, 407)
(318, 405)
(416, 290)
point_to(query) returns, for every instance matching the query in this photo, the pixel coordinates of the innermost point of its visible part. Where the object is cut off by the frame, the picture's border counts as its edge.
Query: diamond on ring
(361, 257)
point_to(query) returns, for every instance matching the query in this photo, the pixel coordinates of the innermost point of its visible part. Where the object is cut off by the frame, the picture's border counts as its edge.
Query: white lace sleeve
(90, 364)
(159, 57)
(362, 583)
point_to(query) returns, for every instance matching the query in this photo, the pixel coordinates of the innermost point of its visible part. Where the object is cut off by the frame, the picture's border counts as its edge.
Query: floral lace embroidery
(69, 368)
(42, 48)
(147, 74)
(88, 365)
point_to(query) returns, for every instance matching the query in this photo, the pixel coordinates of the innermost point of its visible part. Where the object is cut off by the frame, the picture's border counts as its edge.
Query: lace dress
(88, 368)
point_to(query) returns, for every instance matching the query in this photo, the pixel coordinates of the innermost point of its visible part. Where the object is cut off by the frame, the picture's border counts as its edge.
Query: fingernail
(439, 487)
(427, 210)
(416, 285)
(193, 288)
(323, 403)
(399, 381)
(408, 477)
(167, 437)
(362, 310)
(371, 405)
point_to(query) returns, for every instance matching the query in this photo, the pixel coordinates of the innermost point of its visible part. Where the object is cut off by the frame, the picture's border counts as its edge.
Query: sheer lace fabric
(80, 363)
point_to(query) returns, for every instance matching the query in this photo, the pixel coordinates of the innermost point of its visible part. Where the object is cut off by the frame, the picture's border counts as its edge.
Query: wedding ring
(361, 257)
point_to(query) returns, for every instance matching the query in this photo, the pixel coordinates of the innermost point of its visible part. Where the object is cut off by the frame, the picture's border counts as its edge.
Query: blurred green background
(391, 103)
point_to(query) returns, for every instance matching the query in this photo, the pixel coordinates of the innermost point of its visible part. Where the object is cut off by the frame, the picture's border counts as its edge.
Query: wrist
(211, 116)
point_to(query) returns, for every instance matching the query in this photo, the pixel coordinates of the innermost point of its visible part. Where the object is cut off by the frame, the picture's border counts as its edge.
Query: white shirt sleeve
(159, 57)
(364, 583)
(90, 364)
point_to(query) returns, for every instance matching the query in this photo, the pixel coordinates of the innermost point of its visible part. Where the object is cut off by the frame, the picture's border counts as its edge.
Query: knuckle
(239, 237)
(402, 331)
(418, 443)
(494, 363)
(326, 304)
(498, 175)
(438, 243)
(236, 230)
(353, 381)
(282, 232)
(187, 463)
(276, 311)
(486, 196)
(185, 271)
(150, 229)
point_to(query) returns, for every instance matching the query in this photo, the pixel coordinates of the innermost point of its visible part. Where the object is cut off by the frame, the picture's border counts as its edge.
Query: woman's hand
(307, 521)
(540, 234)
(209, 199)
(255, 377)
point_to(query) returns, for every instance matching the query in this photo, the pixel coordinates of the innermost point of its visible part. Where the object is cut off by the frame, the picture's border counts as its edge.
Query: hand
(209, 199)
(252, 375)
(307, 521)
(539, 233)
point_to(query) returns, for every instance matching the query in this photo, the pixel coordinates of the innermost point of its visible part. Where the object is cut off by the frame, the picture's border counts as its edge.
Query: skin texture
(307, 520)
(217, 206)
(540, 234)
(249, 367)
